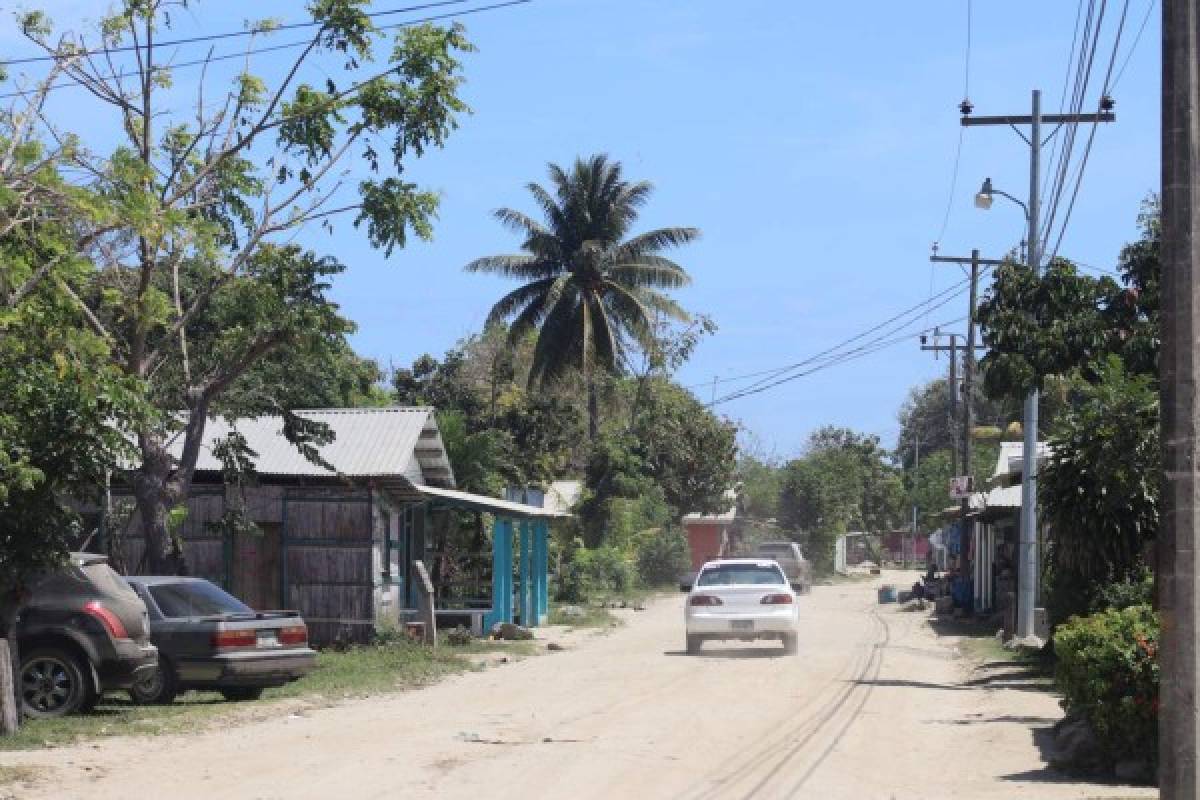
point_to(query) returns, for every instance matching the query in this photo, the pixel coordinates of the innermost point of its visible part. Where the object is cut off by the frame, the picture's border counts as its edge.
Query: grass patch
(593, 617)
(359, 671)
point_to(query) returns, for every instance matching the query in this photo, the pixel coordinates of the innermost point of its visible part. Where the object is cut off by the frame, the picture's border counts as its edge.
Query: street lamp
(984, 197)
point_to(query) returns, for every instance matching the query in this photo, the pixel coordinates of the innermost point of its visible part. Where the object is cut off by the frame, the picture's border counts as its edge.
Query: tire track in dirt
(783, 749)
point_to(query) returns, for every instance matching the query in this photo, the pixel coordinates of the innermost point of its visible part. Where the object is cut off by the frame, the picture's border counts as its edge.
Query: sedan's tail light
(705, 600)
(777, 600)
(111, 622)
(293, 634)
(223, 640)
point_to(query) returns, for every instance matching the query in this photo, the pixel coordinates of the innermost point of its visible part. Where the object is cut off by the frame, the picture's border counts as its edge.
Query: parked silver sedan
(208, 639)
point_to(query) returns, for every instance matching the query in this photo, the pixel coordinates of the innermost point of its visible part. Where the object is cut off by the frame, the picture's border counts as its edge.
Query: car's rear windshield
(740, 574)
(195, 599)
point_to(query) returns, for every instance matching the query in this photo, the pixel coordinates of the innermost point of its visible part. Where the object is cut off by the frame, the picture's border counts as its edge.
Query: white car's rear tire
(791, 644)
(693, 644)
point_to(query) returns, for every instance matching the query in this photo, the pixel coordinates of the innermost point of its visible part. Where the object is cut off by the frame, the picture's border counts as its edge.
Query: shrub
(1123, 594)
(662, 556)
(1108, 672)
(602, 570)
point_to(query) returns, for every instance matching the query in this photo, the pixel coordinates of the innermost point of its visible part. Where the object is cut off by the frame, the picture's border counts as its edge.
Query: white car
(741, 598)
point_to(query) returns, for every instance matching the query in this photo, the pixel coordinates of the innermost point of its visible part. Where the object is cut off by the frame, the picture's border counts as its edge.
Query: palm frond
(631, 313)
(519, 221)
(518, 299)
(521, 266)
(662, 304)
(606, 344)
(550, 209)
(533, 313)
(650, 271)
(652, 242)
(559, 343)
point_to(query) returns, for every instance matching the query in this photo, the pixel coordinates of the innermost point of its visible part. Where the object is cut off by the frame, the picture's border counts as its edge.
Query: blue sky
(813, 144)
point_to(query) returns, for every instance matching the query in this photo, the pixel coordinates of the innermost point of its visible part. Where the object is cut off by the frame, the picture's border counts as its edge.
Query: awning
(492, 505)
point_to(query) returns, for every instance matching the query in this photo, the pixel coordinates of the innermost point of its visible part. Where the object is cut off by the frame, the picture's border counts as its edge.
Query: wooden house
(340, 545)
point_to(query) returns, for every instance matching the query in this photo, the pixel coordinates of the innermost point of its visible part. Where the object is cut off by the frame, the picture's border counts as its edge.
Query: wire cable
(942, 297)
(275, 48)
(212, 37)
(833, 361)
(1133, 47)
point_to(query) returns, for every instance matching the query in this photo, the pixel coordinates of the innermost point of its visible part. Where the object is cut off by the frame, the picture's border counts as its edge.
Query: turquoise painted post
(526, 590)
(542, 565)
(501, 573)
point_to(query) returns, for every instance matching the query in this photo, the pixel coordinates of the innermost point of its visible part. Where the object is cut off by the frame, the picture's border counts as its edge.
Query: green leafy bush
(662, 556)
(1123, 594)
(1108, 672)
(589, 572)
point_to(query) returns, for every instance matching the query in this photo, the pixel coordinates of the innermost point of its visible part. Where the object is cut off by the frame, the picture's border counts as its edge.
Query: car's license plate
(742, 624)
(268, 639)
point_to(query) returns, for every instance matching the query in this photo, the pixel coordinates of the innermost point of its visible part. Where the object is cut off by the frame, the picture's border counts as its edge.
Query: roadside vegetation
(393, 665)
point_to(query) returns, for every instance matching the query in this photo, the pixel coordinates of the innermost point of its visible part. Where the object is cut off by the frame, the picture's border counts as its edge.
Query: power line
(890, 322)
(1091, 136)
(958, 148)
(1133, 47)
(278, 47)
(833, 361)
(219, 36)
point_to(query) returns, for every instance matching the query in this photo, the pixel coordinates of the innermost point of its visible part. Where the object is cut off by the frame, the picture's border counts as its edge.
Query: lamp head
(983, 199)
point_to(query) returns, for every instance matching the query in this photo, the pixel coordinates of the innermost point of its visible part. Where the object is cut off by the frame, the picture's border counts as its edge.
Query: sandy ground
(875, 706)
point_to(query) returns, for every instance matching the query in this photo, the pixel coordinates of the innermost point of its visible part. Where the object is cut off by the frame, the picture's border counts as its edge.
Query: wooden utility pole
(951, 348)
(1179, 719)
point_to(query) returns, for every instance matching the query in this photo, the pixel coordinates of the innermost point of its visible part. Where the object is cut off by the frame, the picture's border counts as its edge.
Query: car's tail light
(705, 600)
(111, 622)
(777, 600)
(294, 634)
(247, 637)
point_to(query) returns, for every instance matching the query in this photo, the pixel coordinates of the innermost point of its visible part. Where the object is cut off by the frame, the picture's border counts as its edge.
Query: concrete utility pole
(1179, 720)
(975, 263)
(1027, 563)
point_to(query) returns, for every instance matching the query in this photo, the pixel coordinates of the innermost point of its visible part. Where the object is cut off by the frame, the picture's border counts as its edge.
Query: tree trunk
(10, 703)
(593, 409)
(156, 491)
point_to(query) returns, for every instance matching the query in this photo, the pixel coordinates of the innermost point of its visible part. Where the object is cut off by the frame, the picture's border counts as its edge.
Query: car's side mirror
(685, 587)
(797, 587)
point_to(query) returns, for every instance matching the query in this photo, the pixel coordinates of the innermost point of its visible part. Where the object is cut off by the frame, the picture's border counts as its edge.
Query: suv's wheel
(791, 644)
(160, 688)
(54, 683)
(693, 644)
(242, 693)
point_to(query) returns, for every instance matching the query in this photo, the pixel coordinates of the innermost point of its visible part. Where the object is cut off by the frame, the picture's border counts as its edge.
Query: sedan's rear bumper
(247, 669)
(746, 624)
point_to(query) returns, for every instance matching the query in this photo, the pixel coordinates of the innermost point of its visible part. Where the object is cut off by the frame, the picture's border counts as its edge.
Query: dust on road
(874, 706)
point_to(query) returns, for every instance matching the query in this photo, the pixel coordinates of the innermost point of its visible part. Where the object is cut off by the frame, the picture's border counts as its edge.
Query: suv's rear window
(106, 579)
(740, 574)
(195, 599)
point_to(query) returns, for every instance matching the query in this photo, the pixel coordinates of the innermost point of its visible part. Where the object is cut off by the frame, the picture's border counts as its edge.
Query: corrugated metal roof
(504, 508)
(369, 442)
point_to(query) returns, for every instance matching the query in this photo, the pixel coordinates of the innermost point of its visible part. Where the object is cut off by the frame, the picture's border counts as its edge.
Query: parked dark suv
(82, 632)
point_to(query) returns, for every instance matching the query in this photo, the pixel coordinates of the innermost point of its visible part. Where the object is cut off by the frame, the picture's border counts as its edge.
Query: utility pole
(1027, 575)
(975, 263)
(1178, 590)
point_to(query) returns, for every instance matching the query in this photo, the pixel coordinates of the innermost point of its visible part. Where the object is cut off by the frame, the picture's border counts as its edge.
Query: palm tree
(589, 291)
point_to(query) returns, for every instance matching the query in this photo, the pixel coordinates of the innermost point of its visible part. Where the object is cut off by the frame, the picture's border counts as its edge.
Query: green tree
(844, 481)
(64, 416)
(184, 218)
(1101, 488)
(589, 289)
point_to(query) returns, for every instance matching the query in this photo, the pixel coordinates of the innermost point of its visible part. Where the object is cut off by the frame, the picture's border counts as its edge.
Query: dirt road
(875, 706)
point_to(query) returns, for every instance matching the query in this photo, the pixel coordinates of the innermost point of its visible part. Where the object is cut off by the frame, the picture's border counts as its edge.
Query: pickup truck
(795, 566)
